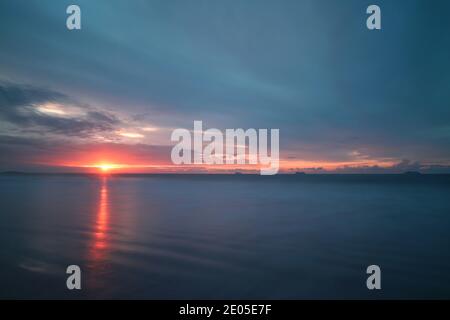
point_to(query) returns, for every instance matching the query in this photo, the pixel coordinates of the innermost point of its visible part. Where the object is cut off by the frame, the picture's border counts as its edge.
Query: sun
(106, 167)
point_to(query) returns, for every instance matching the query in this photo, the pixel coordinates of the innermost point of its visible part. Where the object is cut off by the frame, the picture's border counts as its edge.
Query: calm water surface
(217, 237)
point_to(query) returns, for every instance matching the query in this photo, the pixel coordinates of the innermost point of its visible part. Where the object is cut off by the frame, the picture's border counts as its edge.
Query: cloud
(26, 152)
(39, 110)
(402, 166)
(132, 135)
(271, 64)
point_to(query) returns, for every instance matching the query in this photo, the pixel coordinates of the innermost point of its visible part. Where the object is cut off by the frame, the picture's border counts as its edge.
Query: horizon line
(297, 174)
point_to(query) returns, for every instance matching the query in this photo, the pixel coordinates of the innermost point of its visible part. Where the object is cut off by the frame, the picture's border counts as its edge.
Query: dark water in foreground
(225, 236)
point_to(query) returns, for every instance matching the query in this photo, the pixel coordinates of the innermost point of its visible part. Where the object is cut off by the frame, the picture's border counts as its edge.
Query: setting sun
(105, 167)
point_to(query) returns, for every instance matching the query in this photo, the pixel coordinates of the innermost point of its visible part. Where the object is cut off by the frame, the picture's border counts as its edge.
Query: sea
(224, 236)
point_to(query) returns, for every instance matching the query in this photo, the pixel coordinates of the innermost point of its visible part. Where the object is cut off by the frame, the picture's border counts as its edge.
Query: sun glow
(106, 167)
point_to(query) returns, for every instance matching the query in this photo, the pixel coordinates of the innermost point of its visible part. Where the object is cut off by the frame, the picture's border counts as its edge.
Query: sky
(345, 99)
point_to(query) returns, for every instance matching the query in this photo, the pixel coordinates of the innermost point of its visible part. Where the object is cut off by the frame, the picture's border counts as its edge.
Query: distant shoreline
(240, 174)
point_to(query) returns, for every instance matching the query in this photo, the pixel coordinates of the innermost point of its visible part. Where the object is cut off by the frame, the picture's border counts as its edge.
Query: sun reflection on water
(102, 218)
(100, 241)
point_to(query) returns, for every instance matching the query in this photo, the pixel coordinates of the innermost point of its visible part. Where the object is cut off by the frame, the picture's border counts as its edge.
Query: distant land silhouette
(412, 173)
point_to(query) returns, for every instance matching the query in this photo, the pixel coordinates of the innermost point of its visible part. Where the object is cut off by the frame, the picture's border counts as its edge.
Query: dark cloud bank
(17, 107)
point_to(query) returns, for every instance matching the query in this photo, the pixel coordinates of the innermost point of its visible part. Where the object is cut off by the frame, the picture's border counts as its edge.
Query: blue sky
(344, 98)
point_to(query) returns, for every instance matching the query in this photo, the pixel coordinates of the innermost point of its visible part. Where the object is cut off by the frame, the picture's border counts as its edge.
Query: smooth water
(215, 237)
